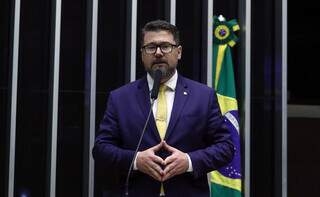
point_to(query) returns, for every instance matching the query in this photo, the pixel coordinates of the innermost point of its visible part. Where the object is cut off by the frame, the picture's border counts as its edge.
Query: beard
(167, 71)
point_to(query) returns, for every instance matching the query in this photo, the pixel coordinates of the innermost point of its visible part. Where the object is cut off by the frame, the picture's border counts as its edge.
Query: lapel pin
(185, 93)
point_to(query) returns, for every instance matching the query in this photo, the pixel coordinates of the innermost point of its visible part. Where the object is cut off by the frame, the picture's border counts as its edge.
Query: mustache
(163, 70)
(159, 62)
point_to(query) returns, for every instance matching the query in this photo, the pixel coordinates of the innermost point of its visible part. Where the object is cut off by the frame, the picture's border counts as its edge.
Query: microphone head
(157, 75)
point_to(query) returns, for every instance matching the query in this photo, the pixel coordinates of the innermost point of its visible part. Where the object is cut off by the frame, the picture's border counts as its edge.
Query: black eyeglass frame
(161, 45)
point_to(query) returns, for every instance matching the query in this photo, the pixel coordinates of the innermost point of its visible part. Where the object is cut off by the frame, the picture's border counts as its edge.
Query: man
(185, 139)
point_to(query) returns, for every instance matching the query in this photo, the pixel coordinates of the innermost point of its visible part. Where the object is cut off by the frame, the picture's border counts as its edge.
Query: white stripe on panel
(209, 55)
(55, 97)
(93, 93)
(14, 88)
(247, 133)
(133, 40)
(284, 96)
(173, 12)
(209, 47)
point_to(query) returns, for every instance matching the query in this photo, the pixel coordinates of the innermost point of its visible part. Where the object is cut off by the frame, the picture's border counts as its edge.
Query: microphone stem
(137, 148)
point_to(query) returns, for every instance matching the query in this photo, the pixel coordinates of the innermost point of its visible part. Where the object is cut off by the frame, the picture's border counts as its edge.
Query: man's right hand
(149, 163)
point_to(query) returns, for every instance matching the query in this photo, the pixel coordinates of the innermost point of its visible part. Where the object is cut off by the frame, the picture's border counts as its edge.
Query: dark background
(303, 77)
(35, 72)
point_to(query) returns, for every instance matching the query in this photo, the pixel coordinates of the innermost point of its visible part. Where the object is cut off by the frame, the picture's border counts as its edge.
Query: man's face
(160, 59)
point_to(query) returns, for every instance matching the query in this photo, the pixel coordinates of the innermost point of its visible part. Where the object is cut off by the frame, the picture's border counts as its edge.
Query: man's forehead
(158, 36)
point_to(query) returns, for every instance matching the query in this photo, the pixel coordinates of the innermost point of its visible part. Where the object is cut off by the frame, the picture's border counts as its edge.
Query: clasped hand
(149, 163)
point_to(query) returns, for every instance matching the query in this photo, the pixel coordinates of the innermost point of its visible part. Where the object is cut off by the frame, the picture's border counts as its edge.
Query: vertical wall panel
(90, 96)
(113, 41)
(267, 99)
(245, 92)
(5, 47)
(33, 96)
(280, 115)
(191, 19)
(133, 38)
(173, 10)
(13, 104)
(284, 101)
(209, 42)
(263, 99)
(54, 94)
(70, 138)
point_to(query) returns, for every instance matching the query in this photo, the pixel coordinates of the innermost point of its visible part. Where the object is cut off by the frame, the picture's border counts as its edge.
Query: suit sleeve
(107, 150)
(219, 150)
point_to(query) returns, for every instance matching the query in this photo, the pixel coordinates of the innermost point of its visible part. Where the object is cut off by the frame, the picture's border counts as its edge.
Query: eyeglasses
(164, 47)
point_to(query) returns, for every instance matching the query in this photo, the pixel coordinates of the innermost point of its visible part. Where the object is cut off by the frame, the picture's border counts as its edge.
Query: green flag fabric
(226, 182)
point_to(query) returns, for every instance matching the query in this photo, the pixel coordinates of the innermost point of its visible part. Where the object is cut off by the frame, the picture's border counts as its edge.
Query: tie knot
(162, 88)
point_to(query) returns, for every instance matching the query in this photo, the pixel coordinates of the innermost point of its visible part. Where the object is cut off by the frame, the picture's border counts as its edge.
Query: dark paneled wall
(32, 98)
(266, 99)
(114, 28)
(192, 24)
(303, 157)
(5, 37)
(71, 109)
(303, 51)
(113, 44)
(263, 99)
(303, 75)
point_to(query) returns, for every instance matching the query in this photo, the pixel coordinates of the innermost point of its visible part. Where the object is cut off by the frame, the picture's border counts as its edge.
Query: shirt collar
(171, 83)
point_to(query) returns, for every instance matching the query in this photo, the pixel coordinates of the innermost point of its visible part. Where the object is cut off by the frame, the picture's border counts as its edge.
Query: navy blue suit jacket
(196, 127)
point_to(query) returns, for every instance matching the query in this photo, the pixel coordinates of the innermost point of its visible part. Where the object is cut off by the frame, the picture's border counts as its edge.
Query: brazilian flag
(226, 181)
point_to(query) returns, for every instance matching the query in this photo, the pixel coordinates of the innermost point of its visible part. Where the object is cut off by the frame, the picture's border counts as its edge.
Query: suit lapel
(180, 98)
(143, 99)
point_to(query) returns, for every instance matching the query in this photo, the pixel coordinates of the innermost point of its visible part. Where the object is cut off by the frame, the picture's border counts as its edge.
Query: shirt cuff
(190, 168)
(135, 162)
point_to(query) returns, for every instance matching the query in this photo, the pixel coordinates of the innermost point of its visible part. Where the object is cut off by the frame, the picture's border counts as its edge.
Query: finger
(168, 147)
(153, 173)
(154, 169)
(157, 147)
(157, 168)
(169, 174)
(169, 168)
(146, 167)
(169, 160)
(158, 160)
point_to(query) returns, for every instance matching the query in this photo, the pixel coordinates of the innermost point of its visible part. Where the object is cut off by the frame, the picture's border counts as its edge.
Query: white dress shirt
(170, 92)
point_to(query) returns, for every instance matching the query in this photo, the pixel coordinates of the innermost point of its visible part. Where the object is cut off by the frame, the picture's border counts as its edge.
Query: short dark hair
(160, 25)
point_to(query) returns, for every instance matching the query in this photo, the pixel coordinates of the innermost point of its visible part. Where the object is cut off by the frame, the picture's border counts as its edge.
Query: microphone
(156, 83)
(154, 95)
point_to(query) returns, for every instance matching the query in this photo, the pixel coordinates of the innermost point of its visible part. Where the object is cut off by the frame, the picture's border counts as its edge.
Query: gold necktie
(161, 119)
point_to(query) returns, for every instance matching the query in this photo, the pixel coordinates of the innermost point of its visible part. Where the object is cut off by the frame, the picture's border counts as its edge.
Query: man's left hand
(177, 163)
